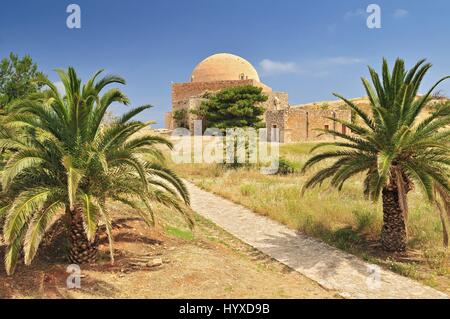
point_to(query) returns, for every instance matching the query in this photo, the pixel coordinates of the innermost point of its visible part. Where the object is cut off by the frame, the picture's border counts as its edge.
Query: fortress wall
(296, 124)
(187, 105)
(318, 120)
(182, 91)
(168, 121)
(194, 103)
(276, 101)
(276, 119)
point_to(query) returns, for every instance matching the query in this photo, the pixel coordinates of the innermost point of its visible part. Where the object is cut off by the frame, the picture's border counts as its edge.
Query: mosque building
(295, 122)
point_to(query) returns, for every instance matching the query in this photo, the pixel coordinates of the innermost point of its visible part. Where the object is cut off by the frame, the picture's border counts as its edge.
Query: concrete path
(330, 267)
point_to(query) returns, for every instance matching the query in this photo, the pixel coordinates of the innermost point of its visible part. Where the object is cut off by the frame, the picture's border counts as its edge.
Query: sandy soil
(212, 264)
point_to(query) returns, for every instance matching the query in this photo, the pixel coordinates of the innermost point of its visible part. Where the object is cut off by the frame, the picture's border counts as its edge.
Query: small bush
(345, 238)
(180, 117)
(437, 259)
(364, 219)
(247, 189)
(404, 269)
(286, 167)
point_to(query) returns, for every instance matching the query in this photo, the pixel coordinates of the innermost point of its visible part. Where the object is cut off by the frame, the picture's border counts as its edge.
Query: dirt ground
(204, 263)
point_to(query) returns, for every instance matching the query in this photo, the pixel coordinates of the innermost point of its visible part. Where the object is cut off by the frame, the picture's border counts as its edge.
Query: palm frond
(39, 225)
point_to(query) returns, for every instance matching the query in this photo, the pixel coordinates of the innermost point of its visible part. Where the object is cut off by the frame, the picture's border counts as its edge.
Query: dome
(224, 67)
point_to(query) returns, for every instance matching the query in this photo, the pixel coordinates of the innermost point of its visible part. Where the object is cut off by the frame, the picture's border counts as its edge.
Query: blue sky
(307, 48)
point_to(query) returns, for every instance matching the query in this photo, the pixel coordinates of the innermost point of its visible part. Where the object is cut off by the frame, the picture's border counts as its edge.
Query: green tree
(67, 164)
(395, 147)
(233, 107)
(17, 78)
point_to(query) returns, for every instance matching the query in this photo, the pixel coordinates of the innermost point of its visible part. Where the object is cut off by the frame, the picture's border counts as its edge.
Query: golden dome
(224, 67)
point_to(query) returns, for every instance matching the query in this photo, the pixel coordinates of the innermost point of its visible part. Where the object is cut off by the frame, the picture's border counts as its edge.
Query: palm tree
(66, 163)
(394, 146)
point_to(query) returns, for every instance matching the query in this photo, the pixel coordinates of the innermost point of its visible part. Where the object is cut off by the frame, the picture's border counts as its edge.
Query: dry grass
(344, 219)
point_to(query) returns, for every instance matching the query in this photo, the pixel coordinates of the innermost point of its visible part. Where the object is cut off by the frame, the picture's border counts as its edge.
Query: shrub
(345, 238)
(248, 189)
(286, 167)
(364, 219)
(180, 118)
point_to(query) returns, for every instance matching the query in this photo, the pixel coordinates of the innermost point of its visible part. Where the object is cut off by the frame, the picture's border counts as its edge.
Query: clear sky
(307, 48)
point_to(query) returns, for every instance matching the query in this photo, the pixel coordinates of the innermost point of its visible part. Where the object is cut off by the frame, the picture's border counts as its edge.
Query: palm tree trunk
(81, 251)
(394, 232)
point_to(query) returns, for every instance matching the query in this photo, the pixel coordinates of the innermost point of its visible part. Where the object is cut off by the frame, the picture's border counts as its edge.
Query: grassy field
(343, 219)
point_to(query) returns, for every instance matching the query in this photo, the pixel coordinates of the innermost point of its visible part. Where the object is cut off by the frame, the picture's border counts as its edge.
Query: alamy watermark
(74, 279)
(73, 21)
(373, 281)
(230, 146)
(374, 19)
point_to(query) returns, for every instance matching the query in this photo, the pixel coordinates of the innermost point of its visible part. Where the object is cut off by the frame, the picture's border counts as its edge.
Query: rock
(138, 264)
(155, 262)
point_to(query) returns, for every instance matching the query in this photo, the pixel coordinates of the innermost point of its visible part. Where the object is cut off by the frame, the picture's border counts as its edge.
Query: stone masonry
(297, 124)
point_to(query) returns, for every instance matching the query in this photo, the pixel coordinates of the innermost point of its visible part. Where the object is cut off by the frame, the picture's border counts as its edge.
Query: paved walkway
(331, 268)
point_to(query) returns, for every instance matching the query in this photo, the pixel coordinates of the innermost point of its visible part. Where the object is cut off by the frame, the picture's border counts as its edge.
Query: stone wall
(319, 119)
(188, 96)
(168, 121)
(297, 124)
(193, 104)
(276, 101)
(276, 120)
(183, 91)
(188, 105)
